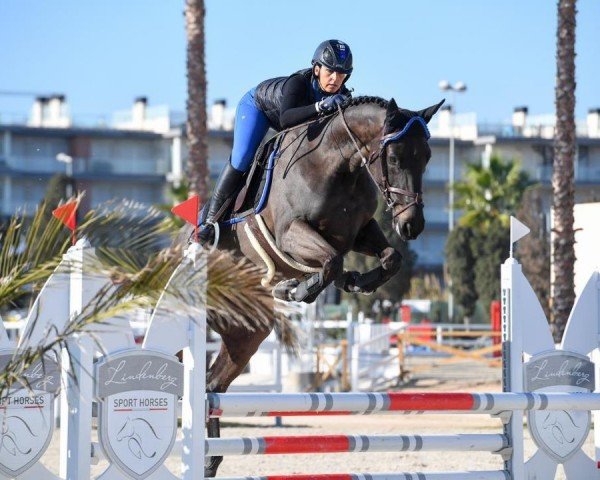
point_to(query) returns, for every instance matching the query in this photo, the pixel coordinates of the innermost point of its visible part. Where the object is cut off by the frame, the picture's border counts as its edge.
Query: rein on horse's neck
(365, 122)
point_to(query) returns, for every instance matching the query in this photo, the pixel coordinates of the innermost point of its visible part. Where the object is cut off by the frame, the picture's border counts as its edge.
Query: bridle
(387, 190)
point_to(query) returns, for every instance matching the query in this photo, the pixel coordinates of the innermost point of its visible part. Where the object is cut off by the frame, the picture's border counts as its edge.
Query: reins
(384, 186)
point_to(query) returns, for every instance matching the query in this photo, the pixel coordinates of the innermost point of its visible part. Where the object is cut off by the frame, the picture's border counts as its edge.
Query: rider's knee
(391, 259)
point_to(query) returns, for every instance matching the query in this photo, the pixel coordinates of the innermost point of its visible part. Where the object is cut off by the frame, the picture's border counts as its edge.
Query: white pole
(77, 380)
(512, 374)
(355, 363)
(194, 413)
(451, 199)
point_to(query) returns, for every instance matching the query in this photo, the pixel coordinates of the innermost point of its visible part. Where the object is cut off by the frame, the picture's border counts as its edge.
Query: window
(583, 155)
(38, 146)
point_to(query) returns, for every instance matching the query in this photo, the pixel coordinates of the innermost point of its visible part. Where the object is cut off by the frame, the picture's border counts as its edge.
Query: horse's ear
(429, 112)
(392, 108)
(390, 114)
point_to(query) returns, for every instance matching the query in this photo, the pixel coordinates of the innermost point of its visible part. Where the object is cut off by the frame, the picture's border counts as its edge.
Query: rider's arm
(294, 110)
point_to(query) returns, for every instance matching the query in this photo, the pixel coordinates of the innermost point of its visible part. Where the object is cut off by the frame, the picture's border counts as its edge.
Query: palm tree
(563, 261)
(197, 165)
(491, 193)
(487, 197)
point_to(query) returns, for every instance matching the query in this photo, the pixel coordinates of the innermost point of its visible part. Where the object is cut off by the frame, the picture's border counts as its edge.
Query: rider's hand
(329, 104)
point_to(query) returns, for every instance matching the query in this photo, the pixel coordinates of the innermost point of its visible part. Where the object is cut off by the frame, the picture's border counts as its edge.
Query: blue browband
(399, 134)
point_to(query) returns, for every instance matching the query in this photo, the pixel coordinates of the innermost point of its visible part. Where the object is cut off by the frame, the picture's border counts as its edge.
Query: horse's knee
(391, 260)
(333, 268)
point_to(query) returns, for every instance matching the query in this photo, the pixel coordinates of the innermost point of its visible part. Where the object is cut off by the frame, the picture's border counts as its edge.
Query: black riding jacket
(290, 101)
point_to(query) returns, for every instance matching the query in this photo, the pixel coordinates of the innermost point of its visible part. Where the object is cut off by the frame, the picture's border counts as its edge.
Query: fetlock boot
(227, 187)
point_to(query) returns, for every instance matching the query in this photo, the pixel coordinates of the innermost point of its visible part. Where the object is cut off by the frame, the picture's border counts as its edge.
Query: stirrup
(217, 234)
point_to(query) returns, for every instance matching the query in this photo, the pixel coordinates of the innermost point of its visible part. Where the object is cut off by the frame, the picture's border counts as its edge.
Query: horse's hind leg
(237, 347)
(306, 245)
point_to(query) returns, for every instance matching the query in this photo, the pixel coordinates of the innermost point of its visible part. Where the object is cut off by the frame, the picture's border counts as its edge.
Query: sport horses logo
(559, 433)
(27, 415)
(138, 391)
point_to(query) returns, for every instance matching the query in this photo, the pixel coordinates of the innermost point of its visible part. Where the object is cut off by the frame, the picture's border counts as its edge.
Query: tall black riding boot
(228, 185)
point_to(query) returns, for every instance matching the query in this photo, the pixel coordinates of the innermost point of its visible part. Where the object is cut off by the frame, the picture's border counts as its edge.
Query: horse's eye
(393, 159)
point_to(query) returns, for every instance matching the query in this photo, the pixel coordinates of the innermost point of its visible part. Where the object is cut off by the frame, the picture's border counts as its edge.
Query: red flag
(67, 215)
(188, 210)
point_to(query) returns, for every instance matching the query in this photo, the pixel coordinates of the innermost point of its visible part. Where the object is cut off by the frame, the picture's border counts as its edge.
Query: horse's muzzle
(410, 223)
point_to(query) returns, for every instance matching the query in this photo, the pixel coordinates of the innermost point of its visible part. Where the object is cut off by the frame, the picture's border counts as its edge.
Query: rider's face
(329, 81)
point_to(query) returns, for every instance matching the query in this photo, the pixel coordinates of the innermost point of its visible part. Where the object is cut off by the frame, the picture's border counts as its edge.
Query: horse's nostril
(407, 230)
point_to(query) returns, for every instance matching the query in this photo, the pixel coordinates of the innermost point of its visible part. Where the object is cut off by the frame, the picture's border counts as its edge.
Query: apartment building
(136, 157)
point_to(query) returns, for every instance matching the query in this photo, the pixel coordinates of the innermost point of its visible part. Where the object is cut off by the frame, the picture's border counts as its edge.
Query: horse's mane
(395, 120)
(364, 99)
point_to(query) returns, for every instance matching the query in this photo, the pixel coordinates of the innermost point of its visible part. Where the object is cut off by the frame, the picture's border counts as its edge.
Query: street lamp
(458, 87)
(453, 89)
(68, 161)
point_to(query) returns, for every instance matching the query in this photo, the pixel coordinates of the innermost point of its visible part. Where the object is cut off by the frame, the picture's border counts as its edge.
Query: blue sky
(102, 54)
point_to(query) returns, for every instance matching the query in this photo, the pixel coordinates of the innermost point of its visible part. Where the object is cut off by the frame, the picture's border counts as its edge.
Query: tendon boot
(227, 187)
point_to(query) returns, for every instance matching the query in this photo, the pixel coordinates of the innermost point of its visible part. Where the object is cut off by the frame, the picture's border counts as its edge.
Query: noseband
(387, 190)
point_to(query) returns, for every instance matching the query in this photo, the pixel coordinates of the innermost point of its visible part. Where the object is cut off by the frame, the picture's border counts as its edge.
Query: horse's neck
(365, 123)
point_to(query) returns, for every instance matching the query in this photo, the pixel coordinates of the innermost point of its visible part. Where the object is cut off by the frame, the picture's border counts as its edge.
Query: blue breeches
(251, 125)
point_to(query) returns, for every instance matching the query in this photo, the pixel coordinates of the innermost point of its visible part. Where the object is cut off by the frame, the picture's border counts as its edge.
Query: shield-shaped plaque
(559, 433)
(27, 415)
(138, 391)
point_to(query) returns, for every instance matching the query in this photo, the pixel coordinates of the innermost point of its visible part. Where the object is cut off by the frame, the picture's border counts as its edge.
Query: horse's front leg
(371, 241)
(237, 347)
(306, 245)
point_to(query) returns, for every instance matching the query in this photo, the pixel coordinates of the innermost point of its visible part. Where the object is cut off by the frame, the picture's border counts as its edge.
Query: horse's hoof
(209, 472)
(284, 290)
(348, 283)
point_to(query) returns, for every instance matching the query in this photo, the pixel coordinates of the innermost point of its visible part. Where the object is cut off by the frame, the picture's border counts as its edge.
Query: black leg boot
(228, 185)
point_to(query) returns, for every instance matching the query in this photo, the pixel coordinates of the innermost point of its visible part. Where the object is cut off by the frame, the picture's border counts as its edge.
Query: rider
(279, 103)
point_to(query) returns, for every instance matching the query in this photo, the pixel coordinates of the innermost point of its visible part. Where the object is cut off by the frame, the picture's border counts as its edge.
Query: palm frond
(132, 258)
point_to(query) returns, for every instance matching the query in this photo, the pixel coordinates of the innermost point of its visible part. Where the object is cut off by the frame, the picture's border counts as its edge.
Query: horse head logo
(14, 434)
(133, 432)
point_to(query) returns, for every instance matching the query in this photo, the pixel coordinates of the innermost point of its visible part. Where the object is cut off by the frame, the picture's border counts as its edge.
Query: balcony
(539, 126)
(123, 166)
(37, 164)
(111, 166)
(583, 173)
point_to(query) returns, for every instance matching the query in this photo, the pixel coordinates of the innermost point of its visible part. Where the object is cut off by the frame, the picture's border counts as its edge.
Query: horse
(323, 196)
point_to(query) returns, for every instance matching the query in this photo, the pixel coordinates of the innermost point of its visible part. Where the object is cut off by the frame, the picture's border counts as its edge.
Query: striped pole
(355, 443)
(483, 475)
(305, 404)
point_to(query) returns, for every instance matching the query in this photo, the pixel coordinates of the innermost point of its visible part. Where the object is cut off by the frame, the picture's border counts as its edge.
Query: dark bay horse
(325, 187)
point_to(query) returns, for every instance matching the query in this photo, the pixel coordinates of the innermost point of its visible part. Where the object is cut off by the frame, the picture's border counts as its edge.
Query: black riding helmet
(335, 55)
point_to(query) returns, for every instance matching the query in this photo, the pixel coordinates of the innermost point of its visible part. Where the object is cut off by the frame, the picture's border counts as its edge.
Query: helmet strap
(316, 79)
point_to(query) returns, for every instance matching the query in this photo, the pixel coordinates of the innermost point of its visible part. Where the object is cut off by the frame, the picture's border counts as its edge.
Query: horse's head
(126, 431)
(399, 163)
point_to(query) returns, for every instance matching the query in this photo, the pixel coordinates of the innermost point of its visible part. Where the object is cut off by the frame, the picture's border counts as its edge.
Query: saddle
(251, 200)
(253, 196)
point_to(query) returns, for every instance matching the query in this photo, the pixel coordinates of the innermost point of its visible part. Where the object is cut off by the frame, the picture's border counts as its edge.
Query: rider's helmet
(335, 55)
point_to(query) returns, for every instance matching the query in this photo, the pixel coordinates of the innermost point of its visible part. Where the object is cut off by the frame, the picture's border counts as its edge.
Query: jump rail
(303, 404)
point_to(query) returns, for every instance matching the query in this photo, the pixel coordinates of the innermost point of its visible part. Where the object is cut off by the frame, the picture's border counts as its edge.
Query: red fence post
(496, 322)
